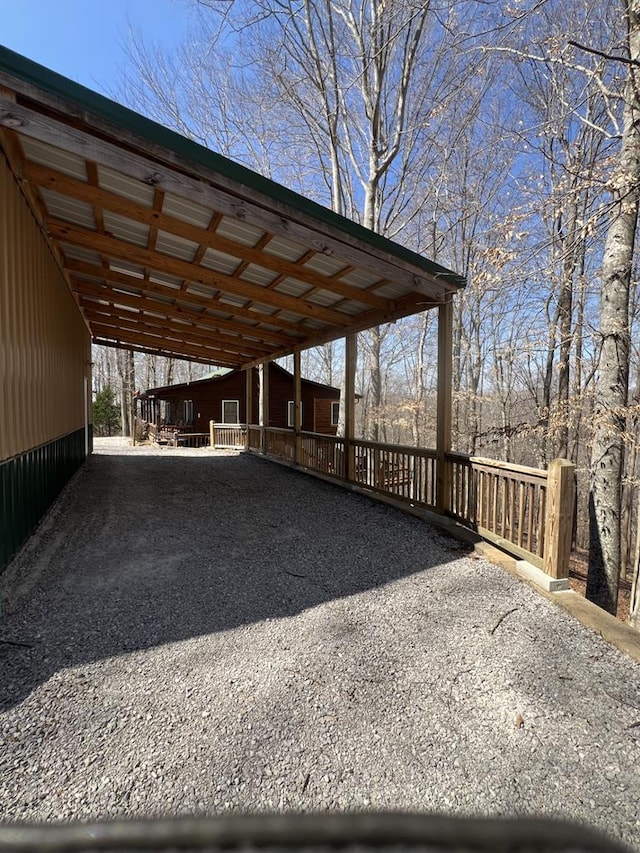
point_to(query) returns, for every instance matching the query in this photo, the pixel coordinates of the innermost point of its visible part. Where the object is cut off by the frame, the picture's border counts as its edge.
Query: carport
(334, 653)
(118, 231)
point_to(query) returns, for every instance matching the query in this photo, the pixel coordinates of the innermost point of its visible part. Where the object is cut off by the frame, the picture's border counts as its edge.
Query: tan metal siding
(44, 343)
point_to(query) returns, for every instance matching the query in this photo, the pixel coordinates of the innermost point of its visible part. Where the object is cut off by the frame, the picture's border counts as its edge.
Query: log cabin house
(221, 397)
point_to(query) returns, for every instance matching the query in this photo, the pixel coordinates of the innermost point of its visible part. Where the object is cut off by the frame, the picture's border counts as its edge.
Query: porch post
(350, 359)
(248, 414)
(297, 409)
(263, 375)
(443, 430)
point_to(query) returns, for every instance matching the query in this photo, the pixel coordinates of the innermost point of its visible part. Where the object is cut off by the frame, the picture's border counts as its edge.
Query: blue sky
(83, 39)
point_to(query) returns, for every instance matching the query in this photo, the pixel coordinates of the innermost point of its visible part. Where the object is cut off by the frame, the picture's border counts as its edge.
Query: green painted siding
(29, 483)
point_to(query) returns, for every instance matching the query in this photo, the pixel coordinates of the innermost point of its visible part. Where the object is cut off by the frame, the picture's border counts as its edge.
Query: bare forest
(497, 138)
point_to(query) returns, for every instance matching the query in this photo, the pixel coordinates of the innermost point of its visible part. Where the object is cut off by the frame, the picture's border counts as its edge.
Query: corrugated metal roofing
(183, 251)
(187, 210)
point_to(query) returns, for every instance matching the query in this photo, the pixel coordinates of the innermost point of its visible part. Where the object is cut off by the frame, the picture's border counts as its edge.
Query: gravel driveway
(209, 633)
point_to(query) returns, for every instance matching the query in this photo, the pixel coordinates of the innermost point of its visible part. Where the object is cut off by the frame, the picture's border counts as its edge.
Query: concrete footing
(540, 578)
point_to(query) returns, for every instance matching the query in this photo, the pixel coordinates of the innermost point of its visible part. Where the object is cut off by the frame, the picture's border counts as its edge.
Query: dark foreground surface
(198, 634)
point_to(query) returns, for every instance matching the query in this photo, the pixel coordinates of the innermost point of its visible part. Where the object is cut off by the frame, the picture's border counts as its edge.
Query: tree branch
(625, 59)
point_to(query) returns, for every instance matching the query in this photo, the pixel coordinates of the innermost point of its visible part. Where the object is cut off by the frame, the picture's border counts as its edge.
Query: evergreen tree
(106, 413)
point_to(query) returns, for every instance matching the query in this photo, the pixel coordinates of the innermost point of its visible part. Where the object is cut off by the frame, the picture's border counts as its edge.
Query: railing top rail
(220, 425)
(483, 462)
(322, 436)
(396, 448)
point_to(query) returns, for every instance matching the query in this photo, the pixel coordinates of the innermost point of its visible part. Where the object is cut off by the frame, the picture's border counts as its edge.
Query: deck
(209, 632)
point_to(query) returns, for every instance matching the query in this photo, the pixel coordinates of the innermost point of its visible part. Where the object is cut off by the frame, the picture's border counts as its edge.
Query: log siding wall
(207, 397)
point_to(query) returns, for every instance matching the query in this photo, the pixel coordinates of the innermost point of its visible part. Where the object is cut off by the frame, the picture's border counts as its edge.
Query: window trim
(237, 404)
(291, 413)
(335, 406)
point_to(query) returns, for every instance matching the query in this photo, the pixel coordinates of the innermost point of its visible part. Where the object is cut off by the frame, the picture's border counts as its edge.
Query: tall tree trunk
(565, 312)
(611, 390)
(634, 605)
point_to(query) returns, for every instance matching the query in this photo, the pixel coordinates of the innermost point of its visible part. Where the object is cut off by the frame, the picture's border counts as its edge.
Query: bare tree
(612, 381)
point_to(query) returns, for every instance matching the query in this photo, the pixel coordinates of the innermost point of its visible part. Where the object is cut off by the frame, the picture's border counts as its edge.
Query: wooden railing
(526, 511)
(254, 437)
(323, 453)
(280, 443)
(405, 473)
(227, 435)
(191, 439)
(505, 503)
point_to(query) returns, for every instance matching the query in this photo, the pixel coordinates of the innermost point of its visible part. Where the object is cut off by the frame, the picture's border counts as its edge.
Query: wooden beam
(297, 408)
(263, 378)
(42, 176)
(105, 277)
(412, 304)
(127, 336)
(443, 428)
(165, 351)
(139, 323)
(350, 362)
(120, 249)
(157, 166)
(98, 312)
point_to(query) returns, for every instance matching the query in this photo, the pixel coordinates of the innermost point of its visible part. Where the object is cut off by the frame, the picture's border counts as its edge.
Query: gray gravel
(213, 633)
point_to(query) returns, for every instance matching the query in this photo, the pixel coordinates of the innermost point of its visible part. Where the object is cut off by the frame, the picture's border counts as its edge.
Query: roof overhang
(172, 249)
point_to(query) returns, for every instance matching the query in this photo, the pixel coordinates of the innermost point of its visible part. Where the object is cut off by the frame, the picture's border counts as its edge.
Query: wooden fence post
(559, 518)
(212, 434)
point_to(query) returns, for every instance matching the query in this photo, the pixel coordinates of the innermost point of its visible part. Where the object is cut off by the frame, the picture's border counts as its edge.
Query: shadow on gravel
(145, 550)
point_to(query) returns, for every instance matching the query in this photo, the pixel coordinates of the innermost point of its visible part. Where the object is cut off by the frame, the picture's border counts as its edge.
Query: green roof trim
(16, 65)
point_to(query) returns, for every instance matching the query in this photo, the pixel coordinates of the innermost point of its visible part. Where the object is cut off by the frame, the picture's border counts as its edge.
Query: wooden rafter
(136, 216)
(118, 323)
(98, 312)
(210, 354)
(116, 248)
(163, 350)
(204, 237)
(109, 277)
(143, 296)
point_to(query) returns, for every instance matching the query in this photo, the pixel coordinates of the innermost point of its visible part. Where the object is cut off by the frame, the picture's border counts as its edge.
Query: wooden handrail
(496, 463)
(526, 511)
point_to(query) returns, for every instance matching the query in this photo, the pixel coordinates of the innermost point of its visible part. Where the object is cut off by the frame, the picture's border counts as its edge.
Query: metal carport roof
(173, 249)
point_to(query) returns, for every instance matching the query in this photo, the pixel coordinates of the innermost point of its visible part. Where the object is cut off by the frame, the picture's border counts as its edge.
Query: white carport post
(443, 429)
(263, 376)
(297, 409)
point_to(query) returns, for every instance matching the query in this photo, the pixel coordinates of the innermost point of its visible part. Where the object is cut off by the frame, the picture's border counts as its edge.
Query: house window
(230, 411)
(335, 412)
(188, 412)
(290, 413)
